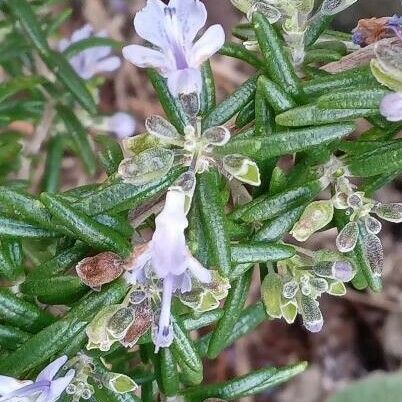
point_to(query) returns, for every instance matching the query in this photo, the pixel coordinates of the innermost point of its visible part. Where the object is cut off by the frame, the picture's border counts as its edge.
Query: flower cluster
(156, 271)
(154, 154)
(300, 281)
(358, 208)
(295, 17)
(86, 372)
(46, 388)
(172, 30)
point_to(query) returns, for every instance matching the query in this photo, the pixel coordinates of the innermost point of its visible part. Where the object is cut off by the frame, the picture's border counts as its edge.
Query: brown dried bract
(142, 323)
(100, 269)
(373, 29)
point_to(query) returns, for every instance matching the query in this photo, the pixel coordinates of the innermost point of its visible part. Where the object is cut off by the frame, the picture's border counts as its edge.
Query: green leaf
(267, 207)
(56, 290)
(276, 97)
(382, 387)
(246, 115)
(22, 11)
(16, 229)
(358, 98)
(250, 384)
(89, 43)
(312, 115)
(383, 160)
(360, 76)
(111, 155)
(80, 138)
(21, 314)
(260, 252)
(183, 348)
(169, 374)
(213, 218)
(233, 307)
(12, 338)
(15, 85)
(171, 106)
(239, 52)
(287, 142)
(276, 228)
(84, 227)
(208, 95)
(117, 196)
(231, 105)
(277, 62)
(51, 175)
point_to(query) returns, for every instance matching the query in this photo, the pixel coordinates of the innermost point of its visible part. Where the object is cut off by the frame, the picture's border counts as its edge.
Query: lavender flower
(167, 258)
(395, 24)
(44, 389)
(391, 106)
(121, 124)
(172, 30)
(91, 61)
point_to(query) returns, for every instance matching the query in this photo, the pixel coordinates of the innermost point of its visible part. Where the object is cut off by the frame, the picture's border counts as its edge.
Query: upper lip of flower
(174, 28)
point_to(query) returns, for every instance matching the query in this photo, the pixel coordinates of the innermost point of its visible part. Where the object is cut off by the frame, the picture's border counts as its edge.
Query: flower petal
(121, 124)
(144, 57)
(209, 43)
(48, 373)
(391, 107)
(198, 271)
(191, 17)
(185, 81)
(58, 386)
(149, 23)
(10, 384)
(109, 64)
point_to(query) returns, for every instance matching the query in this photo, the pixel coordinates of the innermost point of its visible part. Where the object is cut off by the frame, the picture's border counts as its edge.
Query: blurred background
(362, 333)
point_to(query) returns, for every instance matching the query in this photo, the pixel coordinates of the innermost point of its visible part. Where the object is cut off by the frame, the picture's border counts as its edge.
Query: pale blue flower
(391, 106)
(172, 30)
(121, 124)
(90, 61)
(44, 389)
(167, 259)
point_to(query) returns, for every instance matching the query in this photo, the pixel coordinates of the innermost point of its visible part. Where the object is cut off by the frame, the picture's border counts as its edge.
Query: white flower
(44, 389)
(172, 30)
(90, 61)
(168, 259)
(391, 106)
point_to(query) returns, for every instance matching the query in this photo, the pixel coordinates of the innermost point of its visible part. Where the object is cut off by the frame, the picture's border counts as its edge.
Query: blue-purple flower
(391, 106)
(172, 30)
(90, 61)
(45, 388)
(167, 258)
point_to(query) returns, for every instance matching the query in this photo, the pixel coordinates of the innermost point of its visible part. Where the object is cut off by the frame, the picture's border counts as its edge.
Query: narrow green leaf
(208, 95)
(312, 115)
(51, 176)
(250, 384)
(12, 338)
(277, 63)
(232, 104)
(213, 218)
(171, 106)
(233, 308)
(21, 314)
(80, 138)
(276, 97)
(260, 252)
(239, 52)
(170, 376)
(84, 227)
